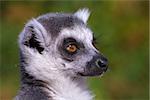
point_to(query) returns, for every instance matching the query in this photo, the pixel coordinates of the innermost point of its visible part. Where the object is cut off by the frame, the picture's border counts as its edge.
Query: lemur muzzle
(97, 66)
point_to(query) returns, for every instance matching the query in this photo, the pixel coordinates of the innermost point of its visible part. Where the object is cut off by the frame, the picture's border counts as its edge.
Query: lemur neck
(66, 88)
(56, 84)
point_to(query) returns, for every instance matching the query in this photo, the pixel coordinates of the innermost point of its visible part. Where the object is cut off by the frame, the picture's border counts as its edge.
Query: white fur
(40, 31)
(80, 33)
(83, 14)
(44, 68)
(83, 34)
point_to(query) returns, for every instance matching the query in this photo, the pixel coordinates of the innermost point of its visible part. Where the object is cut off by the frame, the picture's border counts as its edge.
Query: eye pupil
(71, 48)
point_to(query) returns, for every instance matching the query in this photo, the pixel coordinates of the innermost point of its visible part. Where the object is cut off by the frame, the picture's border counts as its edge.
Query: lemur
(57, 54)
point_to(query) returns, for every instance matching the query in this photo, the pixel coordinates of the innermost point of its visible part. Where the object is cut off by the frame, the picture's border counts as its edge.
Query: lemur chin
(57, 53)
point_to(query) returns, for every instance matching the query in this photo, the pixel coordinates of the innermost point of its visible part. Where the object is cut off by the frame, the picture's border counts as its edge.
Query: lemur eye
(72, 48)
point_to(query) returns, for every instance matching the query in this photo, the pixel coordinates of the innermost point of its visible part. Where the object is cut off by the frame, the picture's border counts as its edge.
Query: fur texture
(46, 72)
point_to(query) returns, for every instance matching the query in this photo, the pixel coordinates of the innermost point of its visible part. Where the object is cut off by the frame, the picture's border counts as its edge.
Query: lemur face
(61, 43)
(75, 45)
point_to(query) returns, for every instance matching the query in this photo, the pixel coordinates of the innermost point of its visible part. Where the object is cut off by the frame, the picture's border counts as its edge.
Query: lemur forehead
(81, 33)
(55, 22)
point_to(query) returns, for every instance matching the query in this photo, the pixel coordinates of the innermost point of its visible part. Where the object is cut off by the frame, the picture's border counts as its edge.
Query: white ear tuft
(83, 14)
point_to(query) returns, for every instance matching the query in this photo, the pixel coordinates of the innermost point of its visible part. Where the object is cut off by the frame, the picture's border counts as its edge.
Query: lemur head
(59, 43)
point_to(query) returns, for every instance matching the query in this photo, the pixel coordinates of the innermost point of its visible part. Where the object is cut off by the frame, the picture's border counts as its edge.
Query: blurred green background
(122, 32)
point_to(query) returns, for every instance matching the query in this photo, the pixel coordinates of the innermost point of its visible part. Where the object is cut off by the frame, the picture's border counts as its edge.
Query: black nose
(96, 66)
(102, 63)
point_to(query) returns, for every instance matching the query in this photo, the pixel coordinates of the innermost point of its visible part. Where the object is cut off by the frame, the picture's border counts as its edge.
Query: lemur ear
(83, 14)
(34, 36)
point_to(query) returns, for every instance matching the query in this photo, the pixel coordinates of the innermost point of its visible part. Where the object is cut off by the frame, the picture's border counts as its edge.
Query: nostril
(101, 64)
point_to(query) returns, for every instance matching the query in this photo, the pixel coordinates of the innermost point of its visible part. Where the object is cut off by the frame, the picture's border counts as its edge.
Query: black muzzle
(95, 67)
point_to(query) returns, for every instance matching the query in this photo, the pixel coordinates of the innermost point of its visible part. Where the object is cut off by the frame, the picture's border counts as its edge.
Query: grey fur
(31, 88)
(32, 93)
(53, 23)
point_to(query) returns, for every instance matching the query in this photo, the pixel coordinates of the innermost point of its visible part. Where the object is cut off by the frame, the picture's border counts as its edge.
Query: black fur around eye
(70, 45)
(70, 49)
(68, 40)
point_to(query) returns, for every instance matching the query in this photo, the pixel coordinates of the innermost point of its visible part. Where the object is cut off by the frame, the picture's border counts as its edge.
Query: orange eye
(71, 48)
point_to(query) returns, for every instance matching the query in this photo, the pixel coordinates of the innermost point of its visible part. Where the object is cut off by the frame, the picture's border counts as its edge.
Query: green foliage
(121, 29)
